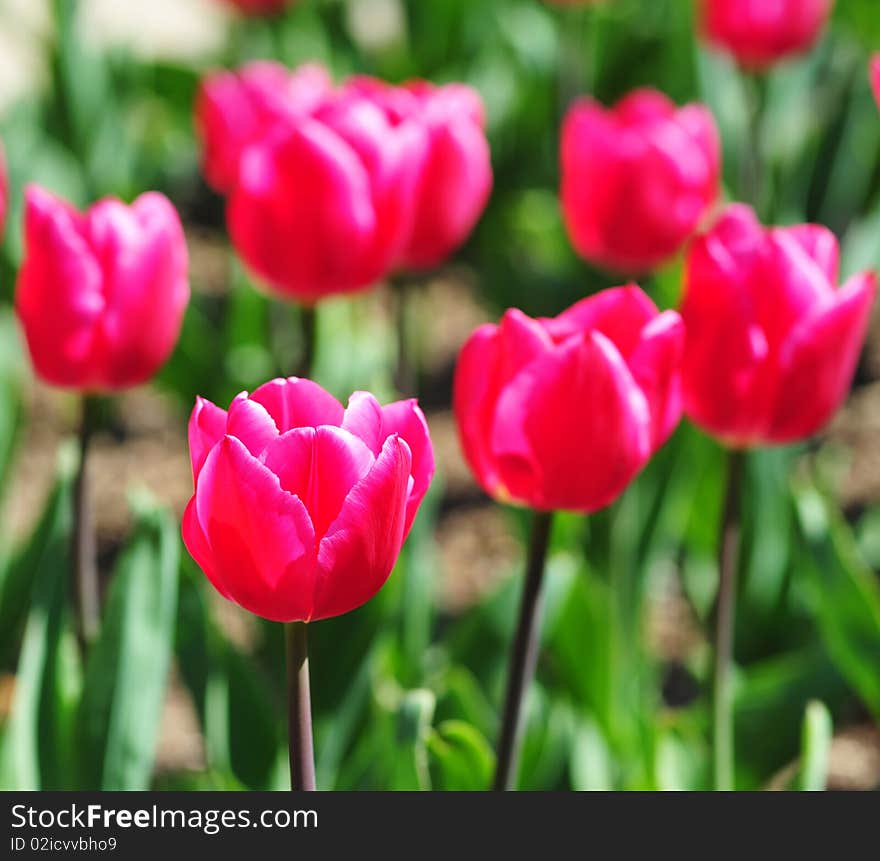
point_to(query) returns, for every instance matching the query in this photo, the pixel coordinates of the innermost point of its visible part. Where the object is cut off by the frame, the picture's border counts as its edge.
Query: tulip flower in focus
(759, 33)
(235, 109)
(637, 179)
(563, 413)
(323, 204)
(101, 294)
(875, 77)
(300, 505)
(772, 341)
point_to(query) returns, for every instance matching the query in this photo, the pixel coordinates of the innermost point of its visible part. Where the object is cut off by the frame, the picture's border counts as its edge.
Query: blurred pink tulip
(637, 179)
(772, 342)
(301, 506)
(324, 204)
(101, 295)
(235, 109)
(759, 33)
(563, 413)
(455, 178)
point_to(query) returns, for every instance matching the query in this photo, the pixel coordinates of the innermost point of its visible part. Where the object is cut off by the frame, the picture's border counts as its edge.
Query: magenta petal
(818, 362)
(361, 547)
(406, 419)
(586, 422)
(363, 418)
(475, 392)
(319, 465)
(197, 545)
(619, 313)
(655, 365)
(296, 402)
(207, 425)
(261, 537)
(250, 422)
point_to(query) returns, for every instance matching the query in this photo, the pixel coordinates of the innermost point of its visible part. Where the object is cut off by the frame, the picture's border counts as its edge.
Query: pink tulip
(563, 413)
(772, 343)
(323, 203)
(875, 77)
(301, 506)
(759, 33)
(637, 179)
(455, 179)
(101, 295)
(235, 109)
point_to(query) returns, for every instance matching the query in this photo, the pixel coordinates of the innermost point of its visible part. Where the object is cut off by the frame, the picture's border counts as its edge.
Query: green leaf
(36, 742)
(128, 665)
(591, 759)
(844, 592)
(815, 747)
(461, 758)
(409, 757)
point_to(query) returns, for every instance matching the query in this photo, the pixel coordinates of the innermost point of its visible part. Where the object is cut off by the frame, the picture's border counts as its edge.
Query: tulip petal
(250, 422)
(207, 426)
(363, 418)
(60, 273)
(619, 313)
(406, 419)
(320, 466)
(143, 257)
(818, 362)
(573, 428)
(361, 546)
(197, 545)
(655, 364)
(261, 538)
(296, 402)
(490, 357)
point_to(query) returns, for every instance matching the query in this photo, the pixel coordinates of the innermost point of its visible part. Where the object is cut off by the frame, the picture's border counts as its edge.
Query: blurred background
(185, 691)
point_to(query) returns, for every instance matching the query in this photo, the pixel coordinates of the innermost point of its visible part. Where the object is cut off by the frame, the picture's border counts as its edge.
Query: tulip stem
(728, 564)
(85, 566)
(751, 157)
(308, 317)
(406, 372)
(299, 708)
(524, 654)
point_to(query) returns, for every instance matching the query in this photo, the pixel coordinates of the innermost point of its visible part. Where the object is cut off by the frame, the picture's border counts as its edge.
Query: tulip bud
(101, 294)
(563, 413)
(758, 33)
(301, 506)
(637, 179)
(772, 342)
(234, 109)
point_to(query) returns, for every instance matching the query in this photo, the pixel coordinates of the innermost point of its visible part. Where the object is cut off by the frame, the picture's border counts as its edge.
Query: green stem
(728, 564)
(406, 373)
(308, 317)
(299, 708)
(83, 553)
(524, 654)
(751, 178)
